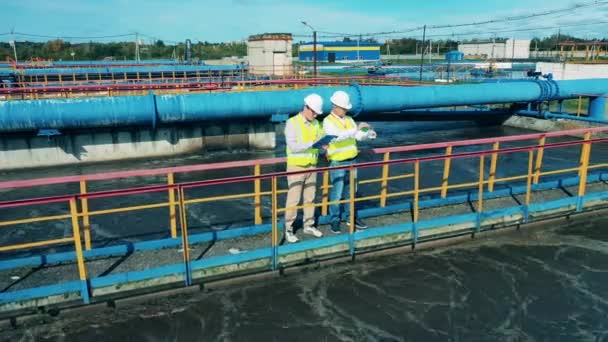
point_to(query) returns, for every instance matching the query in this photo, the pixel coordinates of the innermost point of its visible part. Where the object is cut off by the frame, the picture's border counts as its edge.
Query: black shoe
(359, 224)
(335, 227)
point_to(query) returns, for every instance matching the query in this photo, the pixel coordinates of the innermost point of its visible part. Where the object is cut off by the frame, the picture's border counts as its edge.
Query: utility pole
(137, 46)
(13, 44)
(314, 52)
(314, 47)
(559, 35)
(358, 40)
(422, 52)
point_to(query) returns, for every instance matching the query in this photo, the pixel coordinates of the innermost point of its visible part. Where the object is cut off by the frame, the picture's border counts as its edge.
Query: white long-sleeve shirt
(330, 128)
(292, 137)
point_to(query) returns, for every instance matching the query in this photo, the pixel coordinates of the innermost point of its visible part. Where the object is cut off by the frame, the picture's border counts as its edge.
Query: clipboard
(324, 141)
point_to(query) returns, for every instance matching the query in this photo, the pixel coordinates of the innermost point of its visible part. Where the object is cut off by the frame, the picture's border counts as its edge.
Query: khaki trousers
(300, 185)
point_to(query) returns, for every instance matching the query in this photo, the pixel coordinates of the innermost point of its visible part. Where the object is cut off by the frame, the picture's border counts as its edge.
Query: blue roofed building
(340, 51)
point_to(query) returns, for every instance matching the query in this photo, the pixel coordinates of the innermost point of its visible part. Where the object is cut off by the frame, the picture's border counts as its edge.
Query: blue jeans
(340, 181)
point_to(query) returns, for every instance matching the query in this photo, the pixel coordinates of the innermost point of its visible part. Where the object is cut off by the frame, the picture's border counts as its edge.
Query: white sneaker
(291, 237)
(313, 231)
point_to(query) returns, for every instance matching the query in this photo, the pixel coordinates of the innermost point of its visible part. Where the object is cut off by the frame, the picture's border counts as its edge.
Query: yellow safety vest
(343, 149)
(310, 133)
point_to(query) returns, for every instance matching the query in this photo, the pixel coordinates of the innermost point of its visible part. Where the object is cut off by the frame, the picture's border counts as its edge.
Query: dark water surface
(541, 284)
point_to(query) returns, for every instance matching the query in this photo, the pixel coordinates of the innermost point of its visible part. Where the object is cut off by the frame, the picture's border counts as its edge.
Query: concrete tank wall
(570, 71)
(26, 150)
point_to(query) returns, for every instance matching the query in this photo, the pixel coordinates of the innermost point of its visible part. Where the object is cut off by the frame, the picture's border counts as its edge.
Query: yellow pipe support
(402, 193)
(275, 213)
(219, 198)
(35, 219)
(35, 244)
(493, 162)
(586, 137)
(325, 193)
(172, 218)
(384, 184)
(596, 166)
(586, 151)
(86, 224)
(555, 172)
(125, 209)
(416, 189)
(539, 159)
(529, 177)
(481, 182)
(446, 172)
(258, 197)
(351, 173)
(184, 225)
(76, 237)
(580, 105)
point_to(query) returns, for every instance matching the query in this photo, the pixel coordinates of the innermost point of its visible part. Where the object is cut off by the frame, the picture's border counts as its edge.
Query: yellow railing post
(275, 230)
(172, 218)
(325, 193)
(481, 177)
(351, 201)
(86, 224)
(529, 178)
(184, 231)
(586, 137)
(82, 273)
(584, 164)
(257, 184)
(539, 159)
(446, 172)
(493, 161)
(384, 183)
(416, 189)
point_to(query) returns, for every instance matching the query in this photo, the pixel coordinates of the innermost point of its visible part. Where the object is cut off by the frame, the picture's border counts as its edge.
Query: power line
(479, 23)
(71, 37)
(515, 30)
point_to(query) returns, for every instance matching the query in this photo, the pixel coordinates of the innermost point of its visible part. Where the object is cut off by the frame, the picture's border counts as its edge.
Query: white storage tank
(270, 54)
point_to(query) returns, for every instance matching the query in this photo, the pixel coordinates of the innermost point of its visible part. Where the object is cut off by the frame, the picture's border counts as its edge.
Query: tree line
(63, 50)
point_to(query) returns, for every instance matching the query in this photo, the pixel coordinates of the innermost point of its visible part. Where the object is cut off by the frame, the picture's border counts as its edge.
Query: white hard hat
(314, 102)
(341, 99)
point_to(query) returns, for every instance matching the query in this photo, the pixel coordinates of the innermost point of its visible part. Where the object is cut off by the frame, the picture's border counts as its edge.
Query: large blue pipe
(147, 110)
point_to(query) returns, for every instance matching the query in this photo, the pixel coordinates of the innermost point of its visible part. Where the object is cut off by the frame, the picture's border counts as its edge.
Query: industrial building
(340, 51)
(510, 49)
(270, 54)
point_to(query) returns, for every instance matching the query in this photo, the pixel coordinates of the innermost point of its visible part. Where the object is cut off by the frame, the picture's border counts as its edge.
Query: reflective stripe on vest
(343, 149)
(309, 134)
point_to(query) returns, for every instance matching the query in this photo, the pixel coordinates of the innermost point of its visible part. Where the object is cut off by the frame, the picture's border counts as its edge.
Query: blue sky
(229, 20)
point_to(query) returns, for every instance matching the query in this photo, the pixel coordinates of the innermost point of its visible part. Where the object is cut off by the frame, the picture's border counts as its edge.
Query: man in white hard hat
(302, 131)
(343, 151)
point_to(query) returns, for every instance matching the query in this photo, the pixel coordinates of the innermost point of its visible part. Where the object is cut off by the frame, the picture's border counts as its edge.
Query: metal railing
(178, 201)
